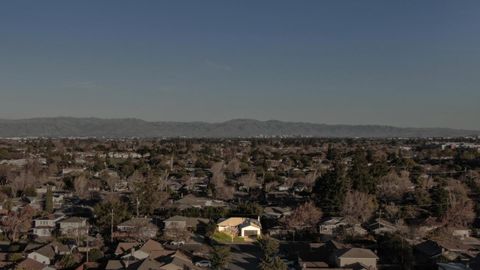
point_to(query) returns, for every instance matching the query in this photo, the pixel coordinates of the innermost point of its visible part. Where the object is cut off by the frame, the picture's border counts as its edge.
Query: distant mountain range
(115, 128)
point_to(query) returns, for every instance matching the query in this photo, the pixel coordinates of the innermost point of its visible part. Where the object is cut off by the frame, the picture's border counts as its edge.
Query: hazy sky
(403, 63)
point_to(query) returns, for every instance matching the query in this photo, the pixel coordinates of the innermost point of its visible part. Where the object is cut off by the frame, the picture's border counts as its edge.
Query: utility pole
(138, 204)
(111, 226)
(87, 244)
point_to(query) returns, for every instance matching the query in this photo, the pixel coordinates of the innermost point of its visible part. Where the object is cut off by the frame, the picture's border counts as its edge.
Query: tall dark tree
(108, 211)
(49, 201)
(393, 249)
(271, 260)
(441, 203)
(149, 193)
(269, 246)
(275, 264)
(331, 189)
(359, 174)
(332, 153)
(220, 257)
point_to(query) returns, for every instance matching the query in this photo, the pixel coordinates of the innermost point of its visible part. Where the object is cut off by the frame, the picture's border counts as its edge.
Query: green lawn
(224, 238)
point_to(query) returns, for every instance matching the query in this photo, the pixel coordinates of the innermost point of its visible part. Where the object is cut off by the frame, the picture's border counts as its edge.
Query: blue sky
(402, 63)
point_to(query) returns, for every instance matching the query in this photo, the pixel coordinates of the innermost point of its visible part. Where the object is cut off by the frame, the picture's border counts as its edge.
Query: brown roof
(189, 221)
(147, 264)
(356, 253)
(123, 247)
(46, 251)
(30, 264)
(151, 245)
(177, 260)
(136, 222)
(61, 248)
(114, 265)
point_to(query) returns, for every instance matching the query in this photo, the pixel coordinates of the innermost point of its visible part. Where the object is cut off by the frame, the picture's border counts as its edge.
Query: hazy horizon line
(230, 120)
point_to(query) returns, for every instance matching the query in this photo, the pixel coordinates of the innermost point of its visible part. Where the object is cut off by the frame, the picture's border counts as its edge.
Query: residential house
(124, 247)
(114, 265)
(277, 212)
(382, 226)
(44, 226)
(175, 261)
(428, 252)
(356, 256)
(151, 249)
(330, 224)
(139, 228)
(187, 223)
(244, 227)
(34, 202)
(462, 233)
(47, 253)
(355, 230)
(191, 200)
(311, 256)
(58, 199)
(73, 227)
(31, 264)
(145, 264)
(154, 249)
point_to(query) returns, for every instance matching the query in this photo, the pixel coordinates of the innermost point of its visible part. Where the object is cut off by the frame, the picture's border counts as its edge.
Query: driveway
(244, 256)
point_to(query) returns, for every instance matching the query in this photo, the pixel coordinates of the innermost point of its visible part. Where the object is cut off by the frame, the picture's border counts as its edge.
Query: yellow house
(244, 227)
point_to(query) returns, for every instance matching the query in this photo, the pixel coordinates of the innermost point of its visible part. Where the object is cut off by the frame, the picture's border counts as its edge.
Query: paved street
(245, 256)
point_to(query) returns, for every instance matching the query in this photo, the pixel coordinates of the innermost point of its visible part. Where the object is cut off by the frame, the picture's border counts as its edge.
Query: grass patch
(224, 238)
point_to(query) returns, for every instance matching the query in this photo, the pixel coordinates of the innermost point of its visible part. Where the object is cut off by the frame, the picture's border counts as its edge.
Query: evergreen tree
(331, 189)
(393, 249)
(49, 200)
(359, 174)
(269, 246)
(220, 257)
(441, 202)
(332, 153)
(275, 264)
(271, 260)
(103, 214)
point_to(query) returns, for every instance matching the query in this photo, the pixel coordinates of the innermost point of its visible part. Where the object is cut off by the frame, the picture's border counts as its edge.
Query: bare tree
(234, 166)
(393, 186)
(248, 180)
(306, 216)
(309, 179)
(222, 190)
(19, 222)
(176, 233)
(22, 181)
(461, 212)
(149, 194)
(81, 186)
(110, 180)
(359, 206)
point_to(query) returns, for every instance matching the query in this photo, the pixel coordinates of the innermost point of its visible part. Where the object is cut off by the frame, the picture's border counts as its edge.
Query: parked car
(177, 243)
(204, 263)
